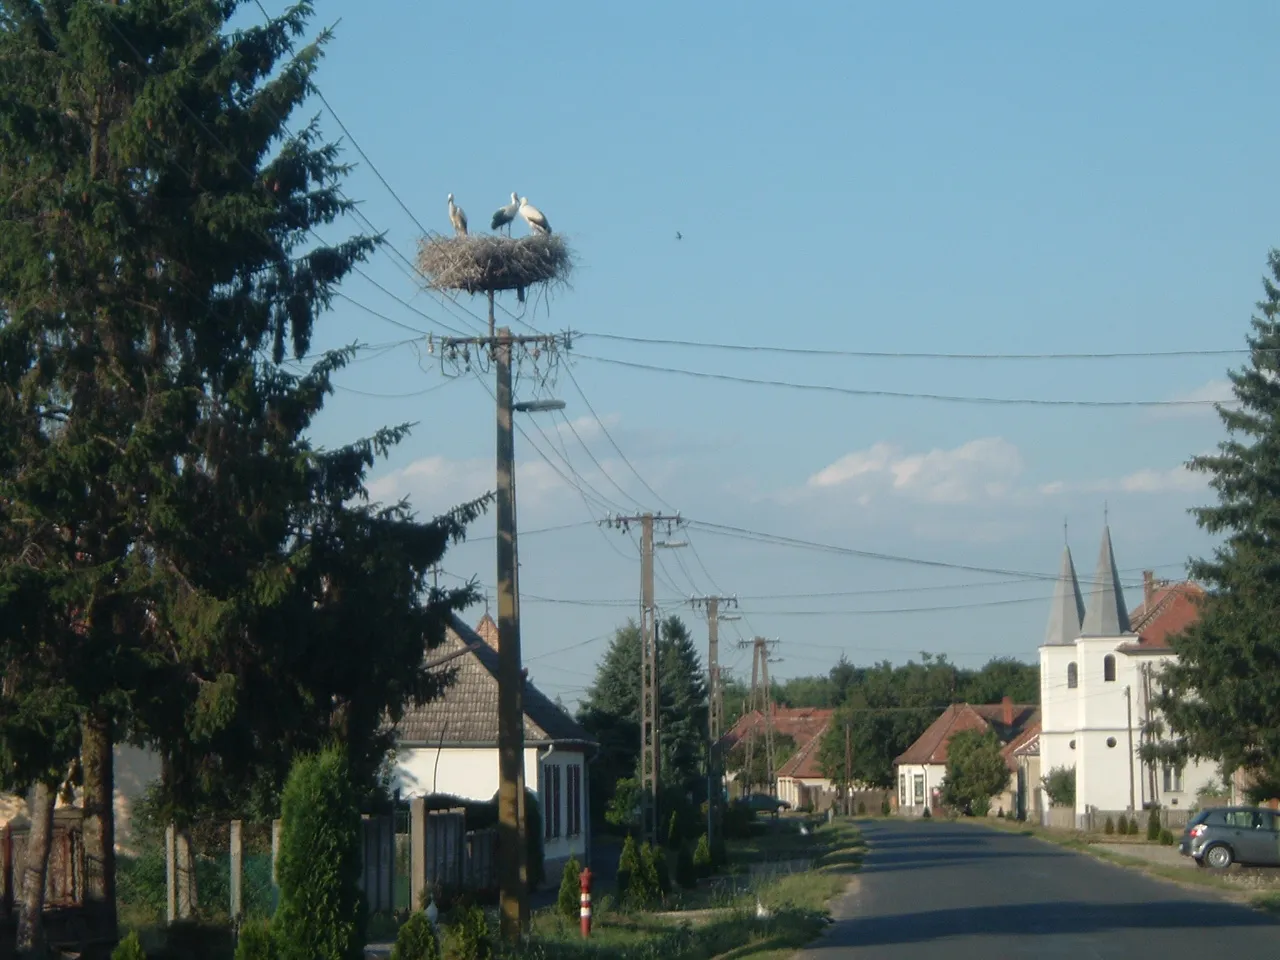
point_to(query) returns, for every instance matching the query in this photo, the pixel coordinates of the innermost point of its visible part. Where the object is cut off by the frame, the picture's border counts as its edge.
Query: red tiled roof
(806, 762)
(801, 724)
(1172, 609)
(931, 746)
(1026, 743)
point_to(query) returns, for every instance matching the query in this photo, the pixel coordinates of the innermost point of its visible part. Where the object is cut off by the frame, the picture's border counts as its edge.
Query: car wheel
(1218, 856)
(1199, 862)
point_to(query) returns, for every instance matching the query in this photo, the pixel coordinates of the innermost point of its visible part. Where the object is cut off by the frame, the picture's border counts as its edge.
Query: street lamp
(537, 406)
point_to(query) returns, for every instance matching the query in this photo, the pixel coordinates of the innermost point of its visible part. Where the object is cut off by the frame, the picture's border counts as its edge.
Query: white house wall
(468, 772)
(933, 774)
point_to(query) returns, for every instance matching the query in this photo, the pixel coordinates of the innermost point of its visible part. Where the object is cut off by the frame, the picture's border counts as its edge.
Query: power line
(898, 394)
(911, 355)
(742, 533)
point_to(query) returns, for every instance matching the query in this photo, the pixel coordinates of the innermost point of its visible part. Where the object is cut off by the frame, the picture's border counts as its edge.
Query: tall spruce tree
(234, 598)
(611, 710)
(1221, 697)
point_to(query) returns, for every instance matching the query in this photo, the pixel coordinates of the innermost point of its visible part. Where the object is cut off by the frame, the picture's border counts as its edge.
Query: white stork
(503, 216)
(534, 217)
(457, 218)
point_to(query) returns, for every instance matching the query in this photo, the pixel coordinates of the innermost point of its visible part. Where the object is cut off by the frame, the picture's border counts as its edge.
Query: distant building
(800, 780)
(922, 767)
(1099, 675)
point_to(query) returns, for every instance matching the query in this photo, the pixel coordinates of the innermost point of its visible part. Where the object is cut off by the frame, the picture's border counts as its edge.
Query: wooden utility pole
(650, 686)
(715, 701)
(513, 869)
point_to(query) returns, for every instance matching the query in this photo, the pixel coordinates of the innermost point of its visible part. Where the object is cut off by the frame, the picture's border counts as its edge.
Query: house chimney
(1007, 712)
(1148, 590)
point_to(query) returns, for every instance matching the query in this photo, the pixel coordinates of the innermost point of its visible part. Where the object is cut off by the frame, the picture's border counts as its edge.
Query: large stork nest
(485, 263)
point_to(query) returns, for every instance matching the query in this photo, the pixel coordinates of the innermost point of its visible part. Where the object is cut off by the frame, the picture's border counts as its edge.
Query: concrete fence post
(417, 852)
(237, 872)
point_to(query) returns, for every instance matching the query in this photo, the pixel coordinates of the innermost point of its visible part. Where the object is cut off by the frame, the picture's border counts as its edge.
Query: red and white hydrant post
(584, 881)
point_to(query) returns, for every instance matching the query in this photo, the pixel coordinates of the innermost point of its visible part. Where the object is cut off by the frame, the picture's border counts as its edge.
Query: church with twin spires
(1100, 668)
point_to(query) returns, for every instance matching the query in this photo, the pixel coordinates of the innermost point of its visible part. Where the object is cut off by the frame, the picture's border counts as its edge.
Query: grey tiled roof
(1067, 610)
(467, 713)
(1105, 615)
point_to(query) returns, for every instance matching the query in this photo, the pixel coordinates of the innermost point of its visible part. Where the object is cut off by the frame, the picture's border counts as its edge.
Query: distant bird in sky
(679, 235)
(457, 218)
(533, 216)
(504, 215)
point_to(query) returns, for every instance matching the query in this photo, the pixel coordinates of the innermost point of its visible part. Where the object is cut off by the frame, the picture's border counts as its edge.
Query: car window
(1204, 816)
(1267, 820)
(1240, 818)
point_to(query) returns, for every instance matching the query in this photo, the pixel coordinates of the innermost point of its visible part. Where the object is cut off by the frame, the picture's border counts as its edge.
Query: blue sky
(905, 177)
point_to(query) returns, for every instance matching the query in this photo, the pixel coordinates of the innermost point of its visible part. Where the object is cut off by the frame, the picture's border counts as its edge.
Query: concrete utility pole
(1128, 709)
(760, 697)
(848, 768)
(650, 685)
(715, 700)
(513, 868)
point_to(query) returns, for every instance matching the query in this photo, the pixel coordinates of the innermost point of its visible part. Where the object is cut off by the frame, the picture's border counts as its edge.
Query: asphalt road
(932, 889)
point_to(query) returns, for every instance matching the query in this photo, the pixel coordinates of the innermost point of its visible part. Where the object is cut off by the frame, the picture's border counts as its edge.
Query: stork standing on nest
(534, 217)
(503, 216)
(457, 218)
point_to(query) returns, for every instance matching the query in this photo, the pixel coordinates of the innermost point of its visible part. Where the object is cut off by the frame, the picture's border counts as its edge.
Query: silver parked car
(1221, 836)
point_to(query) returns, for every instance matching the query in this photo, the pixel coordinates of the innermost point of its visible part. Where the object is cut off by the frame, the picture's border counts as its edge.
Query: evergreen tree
(611, 710)
(1221, 697)
(157, 264)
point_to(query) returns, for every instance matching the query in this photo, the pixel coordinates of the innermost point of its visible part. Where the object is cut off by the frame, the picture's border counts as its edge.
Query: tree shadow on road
(1039, 919)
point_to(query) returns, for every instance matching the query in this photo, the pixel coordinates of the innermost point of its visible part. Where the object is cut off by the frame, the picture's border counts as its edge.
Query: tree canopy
(1221, 697)
(886, 708)
(976, 772)
(611, 711)
(179, 564)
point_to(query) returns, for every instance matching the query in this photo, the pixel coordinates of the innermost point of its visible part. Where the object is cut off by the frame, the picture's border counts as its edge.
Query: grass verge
(796, 907)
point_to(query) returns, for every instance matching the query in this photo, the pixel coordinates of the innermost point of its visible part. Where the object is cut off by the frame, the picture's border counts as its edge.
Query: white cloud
(435, 484)
(981, 469)
(1146, 481)
(1202, 397)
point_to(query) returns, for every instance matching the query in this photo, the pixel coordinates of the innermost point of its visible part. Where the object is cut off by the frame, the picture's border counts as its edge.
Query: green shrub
(739, 822)
(1166, 838)
(927, 815)
(321, 914)
(702, 862)
(130, 948)
(416, 939)
(674, 836)
(886, 807)
(1133, 826)
(643, 885)
(686, 872)
(1153, 826)
(628, 867)
(469, 937)
(862, 808)
(661, 870)
(570, 901)
(256, 942)
(1109, 827)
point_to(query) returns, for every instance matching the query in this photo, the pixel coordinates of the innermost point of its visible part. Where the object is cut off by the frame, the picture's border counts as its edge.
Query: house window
(902, 789)
(918, 789)
(1073, 676)
(573, 805)
(1172, 779)
(551, 800)
(1109, 668)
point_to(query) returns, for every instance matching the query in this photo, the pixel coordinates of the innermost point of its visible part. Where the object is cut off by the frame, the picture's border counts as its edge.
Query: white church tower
(1059, 673)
